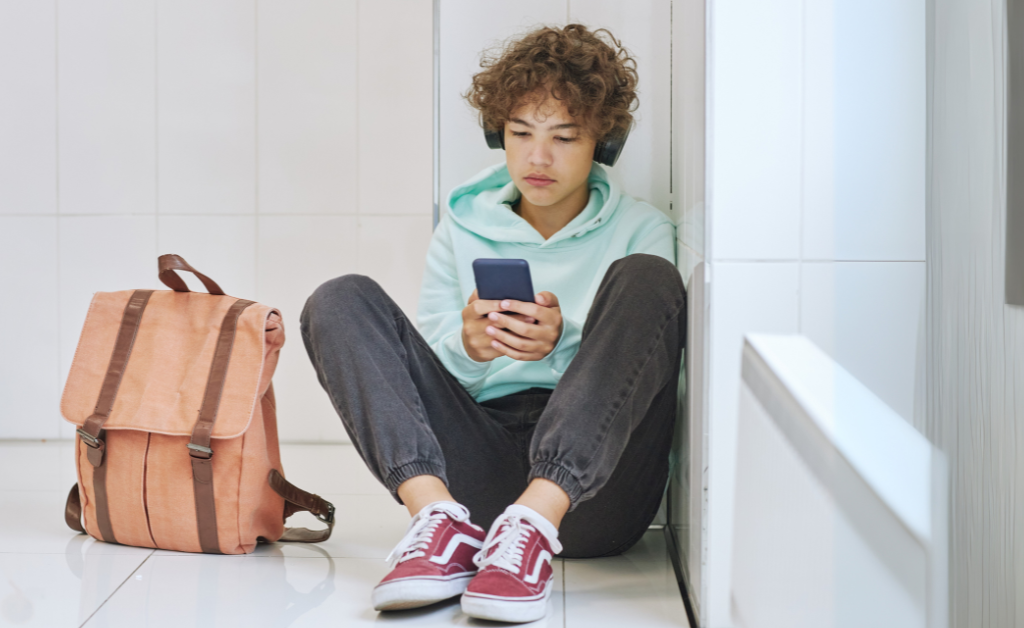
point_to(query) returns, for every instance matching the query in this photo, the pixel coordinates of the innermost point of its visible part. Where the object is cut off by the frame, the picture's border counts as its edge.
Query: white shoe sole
(507, 610)
(416, 592)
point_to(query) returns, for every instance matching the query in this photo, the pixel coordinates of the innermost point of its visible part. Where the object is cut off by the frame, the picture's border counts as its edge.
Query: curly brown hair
(596, 78)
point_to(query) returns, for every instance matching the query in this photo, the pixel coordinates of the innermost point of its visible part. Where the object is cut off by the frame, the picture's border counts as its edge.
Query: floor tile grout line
(114, 592)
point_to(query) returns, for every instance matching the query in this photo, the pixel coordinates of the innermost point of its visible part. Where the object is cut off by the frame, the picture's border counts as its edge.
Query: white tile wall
(864, 132)
(395, 121)
(866, 316)
(240, 135)
(206, 63)
(756, 80)
(106, 104)
(30, 371)
(306, 70)
(28, 106)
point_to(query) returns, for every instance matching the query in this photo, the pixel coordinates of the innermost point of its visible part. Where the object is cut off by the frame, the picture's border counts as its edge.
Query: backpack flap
(165, 378)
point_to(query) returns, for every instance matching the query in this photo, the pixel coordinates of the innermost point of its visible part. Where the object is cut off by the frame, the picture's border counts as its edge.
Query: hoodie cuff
(454, 357)
(566, 348)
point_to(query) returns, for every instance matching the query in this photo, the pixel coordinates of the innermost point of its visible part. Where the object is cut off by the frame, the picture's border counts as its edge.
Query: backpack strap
(171, 262)
(298, 500)
(199, 447)
(91, 433)
(73, 510)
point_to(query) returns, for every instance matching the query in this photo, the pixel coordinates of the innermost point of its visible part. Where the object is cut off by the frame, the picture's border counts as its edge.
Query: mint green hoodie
(570, 264)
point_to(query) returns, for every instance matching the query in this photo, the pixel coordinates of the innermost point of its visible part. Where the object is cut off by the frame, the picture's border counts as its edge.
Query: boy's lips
(539, 182)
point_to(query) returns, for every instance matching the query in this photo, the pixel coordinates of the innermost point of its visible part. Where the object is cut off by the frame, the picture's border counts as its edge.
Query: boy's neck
(549, 220)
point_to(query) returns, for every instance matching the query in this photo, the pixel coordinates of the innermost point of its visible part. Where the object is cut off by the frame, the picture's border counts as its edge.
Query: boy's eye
(559, 138)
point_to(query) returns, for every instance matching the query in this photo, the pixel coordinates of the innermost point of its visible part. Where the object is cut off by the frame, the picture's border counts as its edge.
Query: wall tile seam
(418, 214)
(795, 260)
(56, 177)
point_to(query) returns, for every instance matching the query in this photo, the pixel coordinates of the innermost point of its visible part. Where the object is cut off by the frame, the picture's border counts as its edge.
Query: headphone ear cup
(495, 138)
(607, 150)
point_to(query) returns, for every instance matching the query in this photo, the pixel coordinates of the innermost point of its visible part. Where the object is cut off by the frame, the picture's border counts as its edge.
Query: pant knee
(648, 273)
(337, 293)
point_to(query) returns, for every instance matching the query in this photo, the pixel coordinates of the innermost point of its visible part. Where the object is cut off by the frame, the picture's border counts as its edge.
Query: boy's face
(556, 148)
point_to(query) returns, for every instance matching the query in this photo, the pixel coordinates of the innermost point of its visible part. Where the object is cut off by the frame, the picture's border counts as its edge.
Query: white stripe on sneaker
(535, 576)
(453, 544)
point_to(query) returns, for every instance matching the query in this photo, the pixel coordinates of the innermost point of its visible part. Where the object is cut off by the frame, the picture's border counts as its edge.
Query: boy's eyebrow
(557, 126)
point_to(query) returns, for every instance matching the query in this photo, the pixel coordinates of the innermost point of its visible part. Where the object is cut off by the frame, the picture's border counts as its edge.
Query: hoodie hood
(482, 205)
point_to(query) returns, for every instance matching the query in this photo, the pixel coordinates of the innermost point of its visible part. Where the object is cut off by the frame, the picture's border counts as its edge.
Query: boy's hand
(475, 338)
(529, 334)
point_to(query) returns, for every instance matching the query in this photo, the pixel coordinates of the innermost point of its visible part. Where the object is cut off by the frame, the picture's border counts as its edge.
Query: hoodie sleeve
(566, 347)
(660, 241)
(439, 314)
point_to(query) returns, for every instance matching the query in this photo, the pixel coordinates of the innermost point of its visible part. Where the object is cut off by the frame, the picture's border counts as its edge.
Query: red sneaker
(433, 562)
(515, 578)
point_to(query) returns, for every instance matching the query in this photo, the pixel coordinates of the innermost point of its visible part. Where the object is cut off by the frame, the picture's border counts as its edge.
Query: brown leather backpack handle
(171, 262)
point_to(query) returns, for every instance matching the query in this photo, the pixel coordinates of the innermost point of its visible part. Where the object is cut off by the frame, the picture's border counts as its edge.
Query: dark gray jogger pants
(603, 434)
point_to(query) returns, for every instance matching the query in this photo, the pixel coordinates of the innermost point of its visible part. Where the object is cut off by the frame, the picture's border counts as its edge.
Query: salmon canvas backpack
(176, 445)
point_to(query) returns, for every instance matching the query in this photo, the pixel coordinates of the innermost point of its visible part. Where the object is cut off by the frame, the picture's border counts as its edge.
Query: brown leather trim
(170, 262)
(199, 447)
(298, 500)
(91, 432)
(118, 363)
(73, 510)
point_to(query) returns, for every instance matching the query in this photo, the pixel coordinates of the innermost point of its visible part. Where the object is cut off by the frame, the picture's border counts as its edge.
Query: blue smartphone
(498, 279)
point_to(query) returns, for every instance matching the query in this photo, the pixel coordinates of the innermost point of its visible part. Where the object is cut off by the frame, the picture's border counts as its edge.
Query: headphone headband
(606, 151)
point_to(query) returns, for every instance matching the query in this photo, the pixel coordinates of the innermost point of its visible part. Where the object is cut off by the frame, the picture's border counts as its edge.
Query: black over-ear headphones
(606, 151)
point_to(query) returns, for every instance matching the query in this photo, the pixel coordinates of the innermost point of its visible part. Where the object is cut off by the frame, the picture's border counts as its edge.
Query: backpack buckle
(89, 439)
(329, 517)
(201, 449)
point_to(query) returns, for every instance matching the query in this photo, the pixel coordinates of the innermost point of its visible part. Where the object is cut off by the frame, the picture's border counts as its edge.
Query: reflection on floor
(51, 577)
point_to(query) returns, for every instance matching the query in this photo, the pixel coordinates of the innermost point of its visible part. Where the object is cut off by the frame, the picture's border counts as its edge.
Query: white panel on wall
(395, 93)
(865, 130)
(392, 250)
(746, 297)
(467, 28)
(29, 371)
(99, 253)
(28, 102)
(295, 255)
(306, 55)
(206, 91)
(688, 121)
(221, 247)
(866, 316)
(819, 147)
(643, 28)
(880, 129)
(755, 165)
(106, 106)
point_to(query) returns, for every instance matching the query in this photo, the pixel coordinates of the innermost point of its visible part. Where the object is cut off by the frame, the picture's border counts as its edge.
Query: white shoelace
(421, 530)
(509, 540)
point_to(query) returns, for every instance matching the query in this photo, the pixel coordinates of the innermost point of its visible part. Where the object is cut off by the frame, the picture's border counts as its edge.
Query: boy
(550, 421)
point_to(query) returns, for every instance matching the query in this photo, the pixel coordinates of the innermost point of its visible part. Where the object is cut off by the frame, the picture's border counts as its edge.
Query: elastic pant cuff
(560, 476)
(411, 470)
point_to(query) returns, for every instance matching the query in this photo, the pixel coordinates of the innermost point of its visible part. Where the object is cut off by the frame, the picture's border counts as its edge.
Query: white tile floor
(51, 577)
